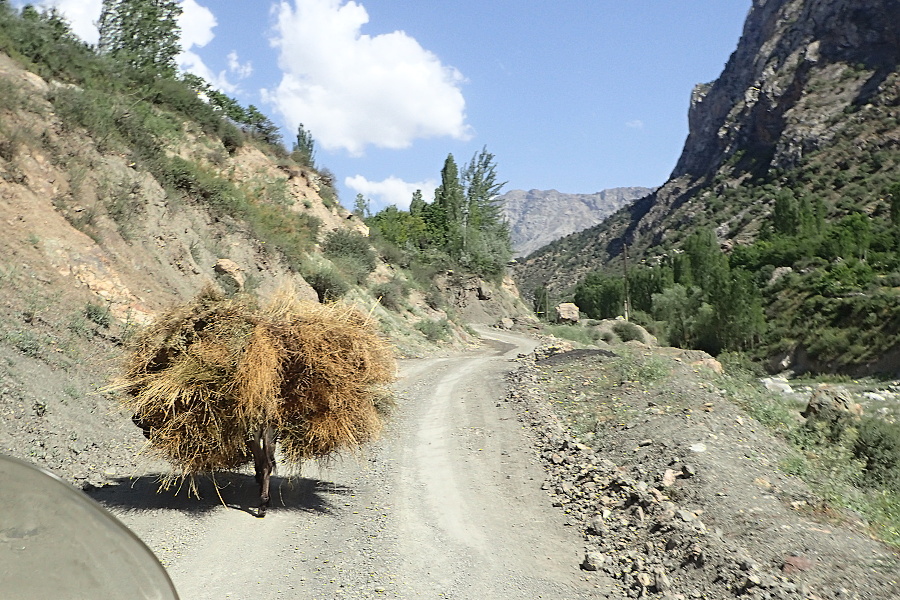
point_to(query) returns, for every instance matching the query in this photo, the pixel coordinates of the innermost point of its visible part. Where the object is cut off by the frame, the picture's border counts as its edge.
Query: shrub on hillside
(391, 294)
(292, 233)
(435, 299)
(352, 249)
(98, 314)
(391, 254)
(628, 332)
(878, 445)
(434, 330)
(327, 282)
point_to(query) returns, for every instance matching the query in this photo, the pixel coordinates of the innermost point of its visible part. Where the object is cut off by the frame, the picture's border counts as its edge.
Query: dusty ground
(679, 493)
(448, 505)
(582, 475)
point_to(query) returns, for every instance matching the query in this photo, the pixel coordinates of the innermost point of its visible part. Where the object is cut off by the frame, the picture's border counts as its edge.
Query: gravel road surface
(448, 504)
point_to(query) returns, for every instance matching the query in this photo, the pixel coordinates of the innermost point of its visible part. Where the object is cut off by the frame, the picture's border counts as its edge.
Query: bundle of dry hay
(203, 375)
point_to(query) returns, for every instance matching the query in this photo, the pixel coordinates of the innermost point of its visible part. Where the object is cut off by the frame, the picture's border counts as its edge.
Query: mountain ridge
(538, 217)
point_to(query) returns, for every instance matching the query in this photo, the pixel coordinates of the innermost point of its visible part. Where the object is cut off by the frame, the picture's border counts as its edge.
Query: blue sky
(573, 95)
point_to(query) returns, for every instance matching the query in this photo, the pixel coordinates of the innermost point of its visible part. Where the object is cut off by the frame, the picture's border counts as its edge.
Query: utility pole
(625, 266)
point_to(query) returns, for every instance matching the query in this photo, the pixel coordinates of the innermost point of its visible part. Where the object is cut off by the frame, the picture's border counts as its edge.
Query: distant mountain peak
(538, 217)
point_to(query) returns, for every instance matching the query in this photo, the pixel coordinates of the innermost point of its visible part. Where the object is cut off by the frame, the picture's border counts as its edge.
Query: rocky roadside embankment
(679, 495)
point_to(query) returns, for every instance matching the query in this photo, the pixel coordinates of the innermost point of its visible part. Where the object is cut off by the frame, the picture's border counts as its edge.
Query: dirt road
(447, 505)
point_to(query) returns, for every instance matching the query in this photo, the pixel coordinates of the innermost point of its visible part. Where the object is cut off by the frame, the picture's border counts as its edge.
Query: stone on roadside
(668, 479)
(662, 582)
(686, 515)
(230, 273)
(777, 384)
(795, 564)
(597, 526)
(593, 560)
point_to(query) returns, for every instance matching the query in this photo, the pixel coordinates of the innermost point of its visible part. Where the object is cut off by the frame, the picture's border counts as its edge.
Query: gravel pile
(653, 525)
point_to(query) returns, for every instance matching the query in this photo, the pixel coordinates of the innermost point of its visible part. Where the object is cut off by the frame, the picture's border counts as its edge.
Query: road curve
(446, 505)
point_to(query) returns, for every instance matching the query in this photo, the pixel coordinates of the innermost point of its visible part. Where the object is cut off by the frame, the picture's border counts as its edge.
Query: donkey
(260, 443)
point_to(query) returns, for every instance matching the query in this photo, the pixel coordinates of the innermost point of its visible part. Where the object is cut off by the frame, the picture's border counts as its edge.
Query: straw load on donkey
(215, 382)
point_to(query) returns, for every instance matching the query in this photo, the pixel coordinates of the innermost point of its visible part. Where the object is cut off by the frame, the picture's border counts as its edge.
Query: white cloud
(191, 62)
(636, 124)
(197, 24)
(241, 70)
(81, 14)
(351, 90)
(391, 190)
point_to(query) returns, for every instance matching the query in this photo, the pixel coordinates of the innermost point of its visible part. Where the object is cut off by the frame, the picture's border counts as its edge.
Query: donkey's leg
(255, 446)
(267, 434)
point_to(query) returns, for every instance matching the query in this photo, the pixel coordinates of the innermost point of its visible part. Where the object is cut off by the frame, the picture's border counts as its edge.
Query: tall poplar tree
(143, 33)
(486, 243)
(444, 215)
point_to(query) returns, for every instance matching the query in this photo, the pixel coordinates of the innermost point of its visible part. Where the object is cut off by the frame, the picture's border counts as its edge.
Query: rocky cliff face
(765, 102)
(538, 217)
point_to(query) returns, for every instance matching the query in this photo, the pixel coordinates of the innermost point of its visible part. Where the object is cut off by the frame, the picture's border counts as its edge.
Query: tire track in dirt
(447, 505)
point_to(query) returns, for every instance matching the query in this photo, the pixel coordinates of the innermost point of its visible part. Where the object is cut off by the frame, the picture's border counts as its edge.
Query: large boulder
(826, 403)
(567, 313)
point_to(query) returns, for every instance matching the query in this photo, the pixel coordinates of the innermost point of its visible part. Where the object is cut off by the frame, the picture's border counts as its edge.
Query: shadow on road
(234, 490)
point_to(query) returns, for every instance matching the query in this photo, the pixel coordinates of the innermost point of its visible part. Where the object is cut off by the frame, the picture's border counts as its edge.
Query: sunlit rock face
(538, 217)
(790, 76)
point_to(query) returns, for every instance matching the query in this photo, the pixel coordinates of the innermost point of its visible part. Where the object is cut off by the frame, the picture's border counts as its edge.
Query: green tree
(449, 199)
(600, 296)
(361, 207)
(142, 33)
(644, 282)
(893, 195)
(417, 204)
(485, 233)
(398, 227)
(261, 126)
(688, 318)
(703, 262)
(739, 316)
(305, 147)
(786, 214)
(812, 217)
(850, 237)
(444, 215)
(228, 105)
